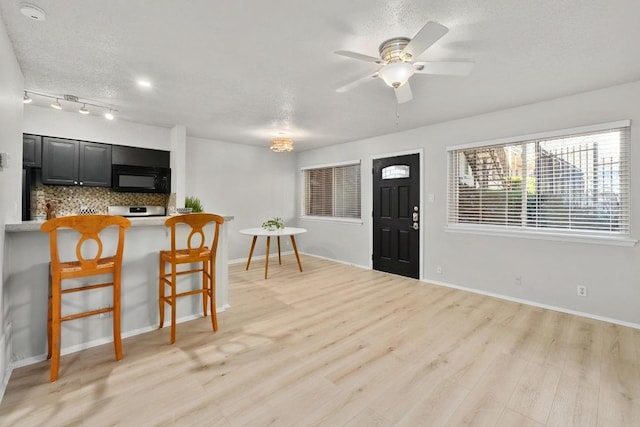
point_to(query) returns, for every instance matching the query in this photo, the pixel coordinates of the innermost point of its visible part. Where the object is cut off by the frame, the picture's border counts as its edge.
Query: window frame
(572, 235)
(327, 218)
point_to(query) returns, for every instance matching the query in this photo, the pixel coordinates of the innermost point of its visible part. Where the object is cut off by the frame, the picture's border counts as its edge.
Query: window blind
(577, 182)
(332, 191)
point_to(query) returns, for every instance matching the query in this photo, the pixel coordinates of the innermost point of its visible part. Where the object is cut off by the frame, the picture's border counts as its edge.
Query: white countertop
(135, 222)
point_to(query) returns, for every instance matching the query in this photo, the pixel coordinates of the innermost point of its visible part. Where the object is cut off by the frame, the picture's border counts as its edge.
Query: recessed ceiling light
(144, 83)
(33, 12)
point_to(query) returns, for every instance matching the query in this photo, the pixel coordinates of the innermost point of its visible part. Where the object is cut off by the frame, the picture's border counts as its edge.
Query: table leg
(266, 258)
(253, 245)
(279, 257)
(295, 250)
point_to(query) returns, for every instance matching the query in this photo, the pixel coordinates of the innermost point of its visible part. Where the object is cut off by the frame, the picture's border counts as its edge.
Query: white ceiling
(240, 71)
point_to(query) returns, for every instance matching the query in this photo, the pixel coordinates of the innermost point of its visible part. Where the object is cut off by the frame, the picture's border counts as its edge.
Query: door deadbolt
(415, 216)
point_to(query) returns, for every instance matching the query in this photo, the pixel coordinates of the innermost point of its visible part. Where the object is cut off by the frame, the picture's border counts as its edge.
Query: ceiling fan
(397, 57)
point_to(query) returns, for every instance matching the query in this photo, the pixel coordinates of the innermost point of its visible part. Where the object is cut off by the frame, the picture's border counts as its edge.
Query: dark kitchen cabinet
(134, 156)
(31, 151)
(69, 162)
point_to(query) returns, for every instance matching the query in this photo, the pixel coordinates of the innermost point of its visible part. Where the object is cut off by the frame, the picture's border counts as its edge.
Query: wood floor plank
(338, 345)
(535, 392)
(575, 403)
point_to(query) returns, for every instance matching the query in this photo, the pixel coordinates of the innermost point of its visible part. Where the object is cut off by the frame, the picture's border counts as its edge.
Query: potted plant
(192, 203)
(275, 223)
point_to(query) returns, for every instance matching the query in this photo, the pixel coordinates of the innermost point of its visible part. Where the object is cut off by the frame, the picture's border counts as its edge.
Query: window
(332, 191)
(568, 182)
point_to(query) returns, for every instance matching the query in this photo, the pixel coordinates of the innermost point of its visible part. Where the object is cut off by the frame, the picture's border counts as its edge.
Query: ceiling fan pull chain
(397, 115)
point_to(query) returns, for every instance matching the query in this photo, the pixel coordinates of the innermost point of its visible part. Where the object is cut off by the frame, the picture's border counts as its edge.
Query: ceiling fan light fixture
(396, 74)
(281, 145)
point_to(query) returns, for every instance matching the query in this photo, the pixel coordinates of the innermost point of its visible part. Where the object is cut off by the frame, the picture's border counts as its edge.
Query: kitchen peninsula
(26, 268)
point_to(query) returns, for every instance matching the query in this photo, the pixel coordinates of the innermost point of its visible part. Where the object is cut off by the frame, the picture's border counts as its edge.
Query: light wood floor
(337, 345)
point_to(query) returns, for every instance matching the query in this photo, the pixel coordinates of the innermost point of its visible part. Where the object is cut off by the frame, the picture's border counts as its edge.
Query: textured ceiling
(241, 71)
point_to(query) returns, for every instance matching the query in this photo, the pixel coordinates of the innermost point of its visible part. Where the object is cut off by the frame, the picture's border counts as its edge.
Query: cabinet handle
(81, 183)
(75, 182)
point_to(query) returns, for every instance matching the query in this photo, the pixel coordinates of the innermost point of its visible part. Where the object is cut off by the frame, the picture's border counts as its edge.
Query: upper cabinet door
(95, 164)
(60, 159)
(31, 151)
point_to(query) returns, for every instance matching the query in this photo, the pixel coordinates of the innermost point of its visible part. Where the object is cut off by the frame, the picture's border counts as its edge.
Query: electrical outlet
(582, 290)
(439, 270)
(518, 281)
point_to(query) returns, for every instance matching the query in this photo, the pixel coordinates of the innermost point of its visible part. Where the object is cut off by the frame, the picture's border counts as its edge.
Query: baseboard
(335, 260)
(535, 304)
(101, 341)
(503, 297)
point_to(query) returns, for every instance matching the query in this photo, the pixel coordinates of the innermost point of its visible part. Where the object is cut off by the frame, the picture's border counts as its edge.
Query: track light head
(56, 105)
(83, 110)
(26, 99)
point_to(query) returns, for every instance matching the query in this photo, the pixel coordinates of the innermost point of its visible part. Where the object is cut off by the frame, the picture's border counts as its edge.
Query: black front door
(396, 215)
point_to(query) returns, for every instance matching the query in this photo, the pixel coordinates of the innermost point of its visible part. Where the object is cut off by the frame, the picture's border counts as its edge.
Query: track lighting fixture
(109, 112)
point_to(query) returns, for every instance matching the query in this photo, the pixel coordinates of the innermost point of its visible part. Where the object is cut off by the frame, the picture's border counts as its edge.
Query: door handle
(415, 226)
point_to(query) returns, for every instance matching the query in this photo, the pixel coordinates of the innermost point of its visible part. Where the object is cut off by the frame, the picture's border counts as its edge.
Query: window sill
(348, 221)
(541, 235)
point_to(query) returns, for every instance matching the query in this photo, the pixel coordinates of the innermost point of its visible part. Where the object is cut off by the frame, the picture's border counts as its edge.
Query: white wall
(11, 87)
(550, 270)
(70, 124)
(251, 183)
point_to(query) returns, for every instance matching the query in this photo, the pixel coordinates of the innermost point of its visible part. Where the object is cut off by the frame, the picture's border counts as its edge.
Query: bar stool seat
(89, 228)
(195, 253)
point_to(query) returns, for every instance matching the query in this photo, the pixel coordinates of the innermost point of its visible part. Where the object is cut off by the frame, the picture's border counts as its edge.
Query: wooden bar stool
(194, 253)
(89, 227)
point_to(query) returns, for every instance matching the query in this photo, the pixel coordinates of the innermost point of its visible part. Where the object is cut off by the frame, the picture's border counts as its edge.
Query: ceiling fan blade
(428, 35)
(357, 82)
(360, 56)
(444, 68)
(403, 93)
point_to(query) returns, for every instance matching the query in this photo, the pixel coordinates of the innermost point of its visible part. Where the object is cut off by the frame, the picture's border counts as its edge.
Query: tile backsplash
(72, 199)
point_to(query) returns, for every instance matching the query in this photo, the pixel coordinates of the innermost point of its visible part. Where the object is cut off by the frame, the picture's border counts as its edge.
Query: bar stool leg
(49, 325)
(173, 303)
(212, 279)
(55, 328)
(205, 286)
(117, 338)
(161, 299)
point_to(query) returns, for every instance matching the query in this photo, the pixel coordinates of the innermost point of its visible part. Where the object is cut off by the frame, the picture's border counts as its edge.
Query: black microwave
(140, 179)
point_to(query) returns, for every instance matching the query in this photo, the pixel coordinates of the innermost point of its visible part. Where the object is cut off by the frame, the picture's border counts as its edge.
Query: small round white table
(287, 231)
